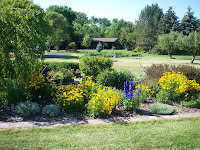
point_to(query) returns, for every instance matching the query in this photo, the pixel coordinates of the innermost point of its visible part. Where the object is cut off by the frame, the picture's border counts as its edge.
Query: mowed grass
(135, 65)
(155, 134)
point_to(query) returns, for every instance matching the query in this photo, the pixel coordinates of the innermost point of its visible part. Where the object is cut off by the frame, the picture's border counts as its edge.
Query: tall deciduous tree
(81, 18)
(189, 23)
(148, 22)
(86, 41)
(69, 15)
(168, 42)
(59, 30)
(169, 22)
(191, 43)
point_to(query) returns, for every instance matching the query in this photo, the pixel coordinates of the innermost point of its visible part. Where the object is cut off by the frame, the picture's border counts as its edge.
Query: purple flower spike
(125, 90)
(130, 90)
(140, 90)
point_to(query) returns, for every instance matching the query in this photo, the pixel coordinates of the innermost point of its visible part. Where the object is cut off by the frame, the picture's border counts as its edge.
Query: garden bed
(7, 115)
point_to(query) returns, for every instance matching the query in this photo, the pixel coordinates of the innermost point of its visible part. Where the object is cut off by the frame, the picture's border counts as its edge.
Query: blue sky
(129, 10)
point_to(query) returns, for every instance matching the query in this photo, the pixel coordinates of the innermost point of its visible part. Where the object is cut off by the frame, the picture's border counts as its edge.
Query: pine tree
(189, 23)
(169, 22)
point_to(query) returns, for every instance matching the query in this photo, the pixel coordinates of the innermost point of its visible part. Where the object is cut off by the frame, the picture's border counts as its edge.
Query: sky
(128, 10)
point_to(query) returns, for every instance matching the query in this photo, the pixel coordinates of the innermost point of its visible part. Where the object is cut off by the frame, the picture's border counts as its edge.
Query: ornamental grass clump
(176, 87)
(103, 102)
(161, 109)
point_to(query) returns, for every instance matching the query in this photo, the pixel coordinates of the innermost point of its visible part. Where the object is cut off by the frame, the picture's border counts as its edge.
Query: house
(107, 42)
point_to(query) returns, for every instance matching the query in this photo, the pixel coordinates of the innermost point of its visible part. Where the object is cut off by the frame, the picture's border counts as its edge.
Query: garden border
(94, 121)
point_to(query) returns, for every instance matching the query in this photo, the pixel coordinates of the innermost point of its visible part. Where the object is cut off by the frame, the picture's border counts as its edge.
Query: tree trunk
(192, 61)
(170, 55)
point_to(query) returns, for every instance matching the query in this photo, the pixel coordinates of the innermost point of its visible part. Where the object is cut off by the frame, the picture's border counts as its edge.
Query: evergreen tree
(189, 23)
(169, 22)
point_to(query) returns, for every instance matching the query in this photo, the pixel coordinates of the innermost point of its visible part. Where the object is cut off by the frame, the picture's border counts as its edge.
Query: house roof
(108, 40)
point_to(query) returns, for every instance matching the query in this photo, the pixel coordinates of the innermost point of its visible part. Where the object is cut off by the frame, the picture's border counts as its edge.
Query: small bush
(51, 110)
(191, 103)
(145, 49)
(156, 71)
(143, 92)
(138, 49)
(72, 45)
(92, 66)
(161, 109)
(3, 100)
(114, 78)
(129, 104)
(113, 48)
(27, 108)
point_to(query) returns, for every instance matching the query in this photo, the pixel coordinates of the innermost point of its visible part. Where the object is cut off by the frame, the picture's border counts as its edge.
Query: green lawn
(133, 64)
(154, 134)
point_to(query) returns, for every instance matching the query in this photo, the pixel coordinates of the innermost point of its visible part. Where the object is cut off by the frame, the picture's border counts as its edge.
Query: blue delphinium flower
(130, 95)
(125, 90)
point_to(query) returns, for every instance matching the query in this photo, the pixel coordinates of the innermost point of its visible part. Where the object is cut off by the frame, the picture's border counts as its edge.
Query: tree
(191, 43)
(189, 23)
(81, 18)
(59, 30)
(131, 40)
(22, 28)
(168, 42)
(149, 19)
(86, 41)
(69, 15)
(169, 22)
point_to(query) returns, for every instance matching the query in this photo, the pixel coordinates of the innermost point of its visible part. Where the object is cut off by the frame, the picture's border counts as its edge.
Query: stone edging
(93, 121)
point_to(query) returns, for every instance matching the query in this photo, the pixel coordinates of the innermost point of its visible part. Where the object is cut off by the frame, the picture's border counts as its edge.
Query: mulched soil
(7, 115)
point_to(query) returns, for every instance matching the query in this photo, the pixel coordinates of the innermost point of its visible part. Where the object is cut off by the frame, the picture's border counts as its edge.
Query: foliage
(72, 45)
(191, 43)
(99, 47)
(74, 97)
(3, 100)
(192, 103)
(189, 23)
(15, 91)
(86, 41)
(81, 18)
(168, 42)
(27, 108)
(169, 22)
(103, 102)
(175, 85)
(58, 31)
(51, 110)
(113, 48)
(161, 109)
(114, 78)
(36, 85)
(138, 49)
(22, 28)
(129, 104)
(92, 66)
(155, 71)
(143, 92)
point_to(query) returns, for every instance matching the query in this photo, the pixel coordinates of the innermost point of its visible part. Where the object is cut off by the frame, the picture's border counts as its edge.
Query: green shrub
(129, 104)
(3, 99)
(51, 110)
(72, 45)
(121, 95)
(156, 71)
(27, 108)
(191, 103)
(145, 49)
(60, 65)
(16, 91)
(92, 66)
(114, 78)
(138, 49)
(161, 109)
(99, 47)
